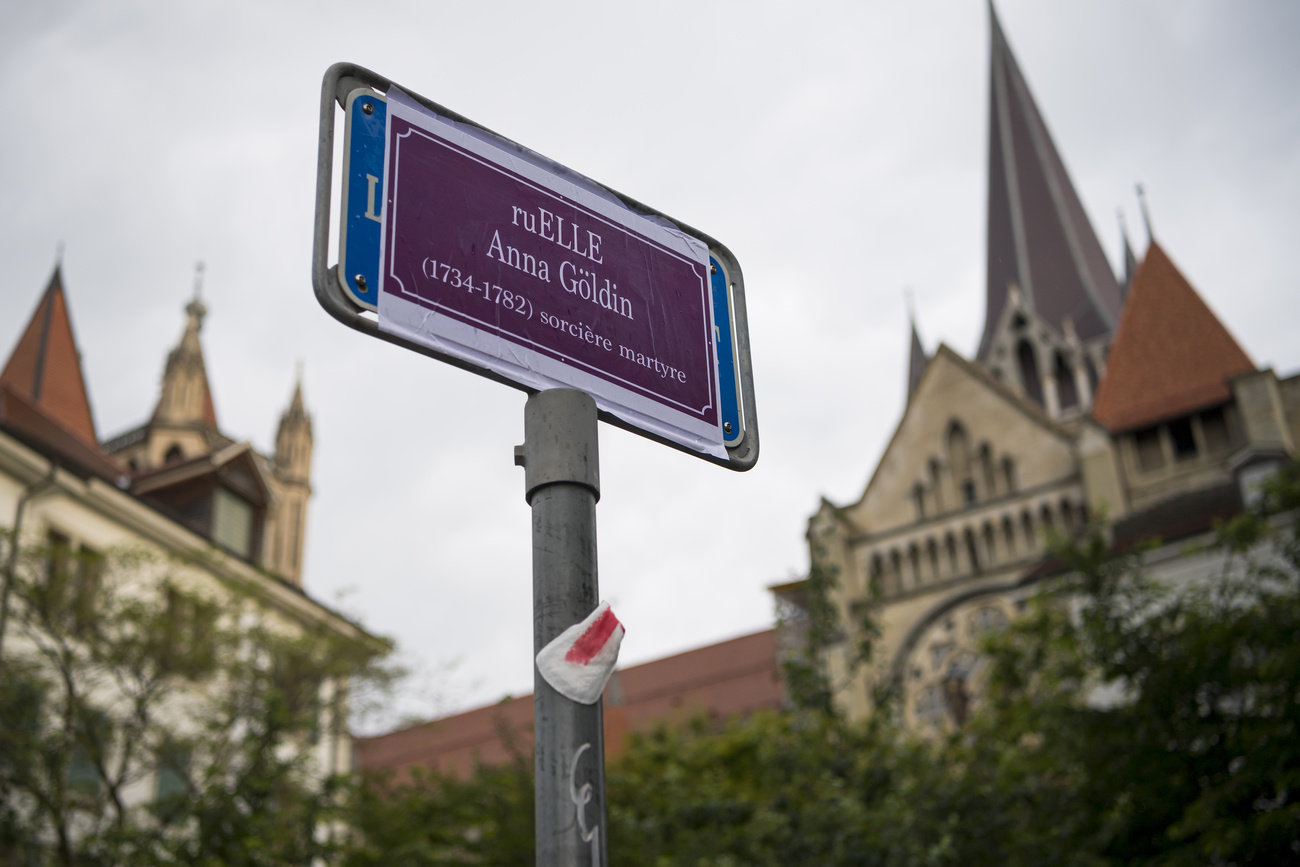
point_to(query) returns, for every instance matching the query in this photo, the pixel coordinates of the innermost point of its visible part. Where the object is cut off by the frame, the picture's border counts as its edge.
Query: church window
(1180, 431)
(1067, 517)
(1150, 456)
(986, 621)
(1027, 524)
(877, 574)
(990, 543)
(932, 553)
(1009, 537)
(972, 551)
(930, 708)
(1066, 391)
(1045, 517)
(914, 563)
(1009, 474)
(936, 484)
(896, 571)
(986, 467)
(174, 455)
(960, 463)
(950, 542)
(1029, 379)
(232, 522)
(1214, 429)
(918, 498)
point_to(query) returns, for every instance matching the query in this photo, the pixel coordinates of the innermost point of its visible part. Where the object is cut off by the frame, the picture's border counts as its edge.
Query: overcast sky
(838, 149)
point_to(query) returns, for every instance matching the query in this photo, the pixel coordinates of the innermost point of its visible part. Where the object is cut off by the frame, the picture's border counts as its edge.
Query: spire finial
(1146, 214)
(195, 308)
(58, 255)
(910, 300)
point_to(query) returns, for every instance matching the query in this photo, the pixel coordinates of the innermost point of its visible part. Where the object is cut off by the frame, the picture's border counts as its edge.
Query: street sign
(362, 197)
(503, 262)
(515, 268)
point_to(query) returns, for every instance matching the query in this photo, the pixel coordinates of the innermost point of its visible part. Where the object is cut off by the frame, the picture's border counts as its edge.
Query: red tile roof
(731, 678)
(1171, 354)
(45, 367)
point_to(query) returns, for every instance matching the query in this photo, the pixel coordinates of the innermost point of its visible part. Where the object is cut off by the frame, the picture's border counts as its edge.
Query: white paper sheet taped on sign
(580, 660)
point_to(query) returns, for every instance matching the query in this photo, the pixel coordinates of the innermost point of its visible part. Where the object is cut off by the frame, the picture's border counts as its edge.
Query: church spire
(917, 361)
(186, 397)
(45, 367)
(1130, 259)
(1039, 238)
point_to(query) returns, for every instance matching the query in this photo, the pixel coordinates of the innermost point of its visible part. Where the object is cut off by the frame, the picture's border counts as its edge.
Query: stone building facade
(1089, 395)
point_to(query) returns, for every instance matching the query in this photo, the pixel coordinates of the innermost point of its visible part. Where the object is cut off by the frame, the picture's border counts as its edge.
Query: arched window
(932, 554)
(1029, 379)
(959, 463)
(174, 455)
(986, 468)
(1027, 525)
(896, 570)
(950, 542)
(936, 484)
(972, 551)
(914, 562)
(1045, 517)
(1009, 473)
(1067, 517)
(1009, 537)
(918, 499)
(1065, 388)
(877, 575)
(990, 543)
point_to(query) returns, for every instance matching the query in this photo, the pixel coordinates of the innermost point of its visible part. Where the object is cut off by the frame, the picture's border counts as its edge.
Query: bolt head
(368, 107)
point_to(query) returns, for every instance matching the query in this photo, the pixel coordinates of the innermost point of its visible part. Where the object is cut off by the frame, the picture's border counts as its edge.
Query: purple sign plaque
(493, 257)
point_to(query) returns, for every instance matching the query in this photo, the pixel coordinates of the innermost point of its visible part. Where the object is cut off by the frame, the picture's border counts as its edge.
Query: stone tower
(292, 472)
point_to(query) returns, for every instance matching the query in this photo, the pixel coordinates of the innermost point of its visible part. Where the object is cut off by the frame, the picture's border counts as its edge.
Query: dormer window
(232, 522)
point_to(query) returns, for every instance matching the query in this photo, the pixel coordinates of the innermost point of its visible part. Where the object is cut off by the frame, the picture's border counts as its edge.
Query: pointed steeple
(293, 438)
(1130, 260)
(1171, 354)
(917, 360)
(1039, 238)
(45, 367)
(186, 396)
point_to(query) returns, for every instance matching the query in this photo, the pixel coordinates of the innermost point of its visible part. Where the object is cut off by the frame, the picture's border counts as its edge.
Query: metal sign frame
(342, 80)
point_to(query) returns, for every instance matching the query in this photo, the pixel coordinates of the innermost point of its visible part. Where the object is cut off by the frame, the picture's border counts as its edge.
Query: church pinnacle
(186, 396)
(1039, 237)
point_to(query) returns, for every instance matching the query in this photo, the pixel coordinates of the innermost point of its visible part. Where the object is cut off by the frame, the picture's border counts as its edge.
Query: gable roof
(1039, 237)
(1015, 401)
(1171, 354)
(44, 369)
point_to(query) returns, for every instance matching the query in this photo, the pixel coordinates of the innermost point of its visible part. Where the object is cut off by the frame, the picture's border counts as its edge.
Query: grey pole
(562, 480)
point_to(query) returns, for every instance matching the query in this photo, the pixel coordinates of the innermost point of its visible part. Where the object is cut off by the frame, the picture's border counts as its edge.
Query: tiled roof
(731, 678)
(45, 367)
(1171, 354)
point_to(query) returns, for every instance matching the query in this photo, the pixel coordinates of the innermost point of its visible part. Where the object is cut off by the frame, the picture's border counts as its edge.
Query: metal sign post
(462, 245)
(562, 479)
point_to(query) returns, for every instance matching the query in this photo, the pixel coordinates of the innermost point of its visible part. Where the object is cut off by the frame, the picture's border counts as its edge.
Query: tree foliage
(146, 723)
(1126, 722)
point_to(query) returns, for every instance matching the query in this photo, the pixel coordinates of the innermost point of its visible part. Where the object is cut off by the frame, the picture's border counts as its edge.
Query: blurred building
(710, 684)
(231, 520)
(1089, 395)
